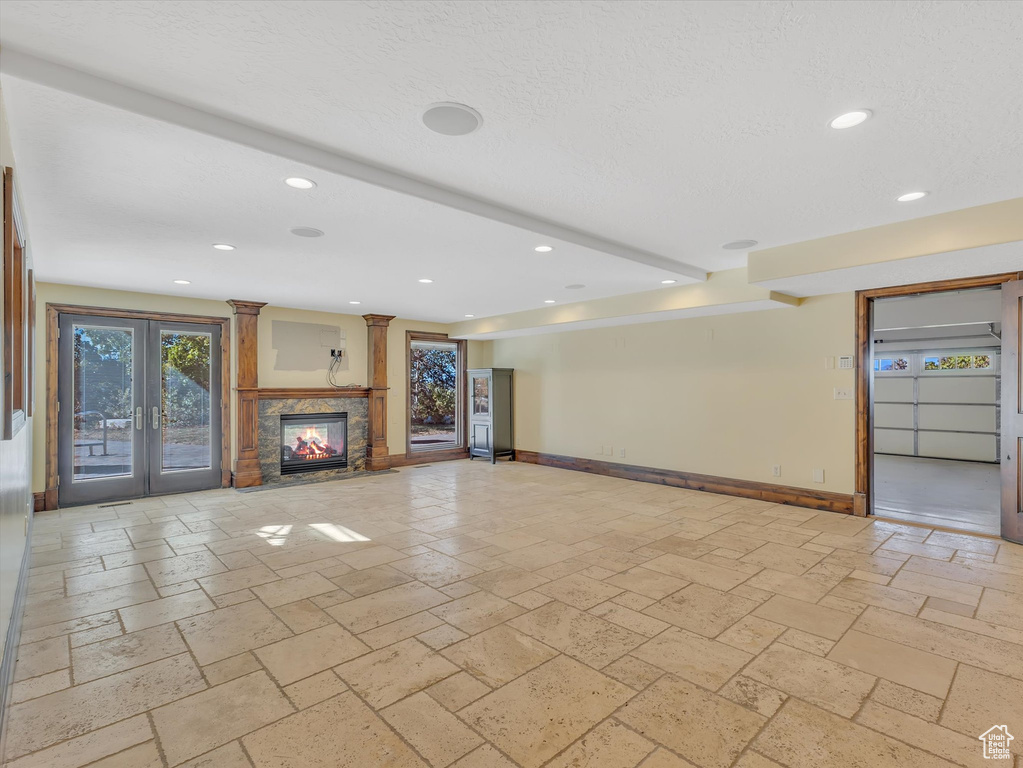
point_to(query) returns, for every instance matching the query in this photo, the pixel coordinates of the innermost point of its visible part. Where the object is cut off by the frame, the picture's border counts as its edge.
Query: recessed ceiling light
(425, 280)
(223, 247)
(544, 248)
(307, 232)
(668, 282)
(850, 119)
(451, 119)
(299, 183)
(739, 245)
(355, 302)
(909, 197)
(470, 315)
(182, 282)
(549, 301)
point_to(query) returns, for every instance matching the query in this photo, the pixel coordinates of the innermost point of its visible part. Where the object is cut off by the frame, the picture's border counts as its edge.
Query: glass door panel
(433, 395)
(99, 393)
(185, 367)
(184, 413)
(480, 395)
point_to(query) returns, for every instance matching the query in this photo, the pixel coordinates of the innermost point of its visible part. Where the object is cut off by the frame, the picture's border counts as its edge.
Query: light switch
(843, 393)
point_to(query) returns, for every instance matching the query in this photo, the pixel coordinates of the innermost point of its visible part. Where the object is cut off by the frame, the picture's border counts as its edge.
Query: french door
(139, 408)
(1012, 411)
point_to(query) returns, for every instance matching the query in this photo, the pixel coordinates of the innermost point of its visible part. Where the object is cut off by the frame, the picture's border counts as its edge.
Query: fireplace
(311, 442)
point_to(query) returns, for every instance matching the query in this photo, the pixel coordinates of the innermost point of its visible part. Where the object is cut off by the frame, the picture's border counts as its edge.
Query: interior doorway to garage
(936, 402)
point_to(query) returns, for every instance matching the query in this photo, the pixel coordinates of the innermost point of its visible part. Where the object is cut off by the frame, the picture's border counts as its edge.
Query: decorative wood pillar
(377, 455)
(247, 472)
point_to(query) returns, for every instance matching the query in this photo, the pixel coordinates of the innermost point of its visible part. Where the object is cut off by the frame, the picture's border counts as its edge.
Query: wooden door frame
(53, 311)
(459, 451)
(863, 499)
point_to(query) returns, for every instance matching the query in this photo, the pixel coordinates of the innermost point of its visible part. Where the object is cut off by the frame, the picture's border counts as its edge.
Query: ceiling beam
(43, 72)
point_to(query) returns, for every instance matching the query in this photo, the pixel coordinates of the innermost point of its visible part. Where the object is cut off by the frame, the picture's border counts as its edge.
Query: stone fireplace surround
(270, 412)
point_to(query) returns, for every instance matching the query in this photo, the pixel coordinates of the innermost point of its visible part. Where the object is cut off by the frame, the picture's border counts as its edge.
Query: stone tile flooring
(481, 616)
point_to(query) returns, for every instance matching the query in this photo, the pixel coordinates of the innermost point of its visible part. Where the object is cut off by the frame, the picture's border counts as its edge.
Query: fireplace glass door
(312, 442)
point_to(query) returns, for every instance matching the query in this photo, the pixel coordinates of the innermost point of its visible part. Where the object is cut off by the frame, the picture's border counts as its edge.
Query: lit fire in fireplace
(312, 446)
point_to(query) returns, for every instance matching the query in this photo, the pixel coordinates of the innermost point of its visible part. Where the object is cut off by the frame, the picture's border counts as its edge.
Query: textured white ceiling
(671, 127)
(121, 201)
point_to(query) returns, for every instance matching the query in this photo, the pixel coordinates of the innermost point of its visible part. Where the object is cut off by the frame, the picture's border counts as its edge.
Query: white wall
(729, 396)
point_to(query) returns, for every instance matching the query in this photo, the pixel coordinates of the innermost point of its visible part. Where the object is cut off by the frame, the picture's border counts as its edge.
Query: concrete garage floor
(956, 494)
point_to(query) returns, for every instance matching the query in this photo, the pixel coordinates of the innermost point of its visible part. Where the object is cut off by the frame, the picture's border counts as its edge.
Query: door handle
(156, 417)
(138, 417)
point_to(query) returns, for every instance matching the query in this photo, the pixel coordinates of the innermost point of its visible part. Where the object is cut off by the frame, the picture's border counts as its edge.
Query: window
(436, 385)
(891, 364)
(959, 362)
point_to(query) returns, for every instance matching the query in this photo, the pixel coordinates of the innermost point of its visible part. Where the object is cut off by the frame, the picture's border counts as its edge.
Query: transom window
(891, 364)
(936, 362)
(957, 362)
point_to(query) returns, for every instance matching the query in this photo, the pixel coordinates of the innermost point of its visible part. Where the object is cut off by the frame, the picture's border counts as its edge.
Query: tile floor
(484, 616)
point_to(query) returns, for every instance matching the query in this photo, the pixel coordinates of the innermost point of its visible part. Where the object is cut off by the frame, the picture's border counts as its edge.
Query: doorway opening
(936, 425)
(436, 393)
(937, 384)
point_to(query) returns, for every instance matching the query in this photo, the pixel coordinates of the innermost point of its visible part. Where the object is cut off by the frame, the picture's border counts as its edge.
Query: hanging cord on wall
(334, 368)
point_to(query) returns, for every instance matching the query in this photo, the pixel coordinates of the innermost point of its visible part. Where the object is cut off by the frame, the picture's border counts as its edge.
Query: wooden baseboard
(13, 638)
(406, 460)
(39, 501)
(825, 501)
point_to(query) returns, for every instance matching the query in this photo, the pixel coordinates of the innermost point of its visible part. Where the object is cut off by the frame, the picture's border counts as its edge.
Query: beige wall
(354, 343)
(730, 396)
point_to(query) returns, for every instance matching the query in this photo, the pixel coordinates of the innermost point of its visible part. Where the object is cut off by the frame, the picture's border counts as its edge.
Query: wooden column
(377, 455)
(246, 466)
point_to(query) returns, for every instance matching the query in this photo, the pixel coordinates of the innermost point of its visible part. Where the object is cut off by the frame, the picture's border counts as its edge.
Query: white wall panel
(957, 389)
(973, 418)
(893, 441)
(945, 445)
(897, 389)
(893, 415)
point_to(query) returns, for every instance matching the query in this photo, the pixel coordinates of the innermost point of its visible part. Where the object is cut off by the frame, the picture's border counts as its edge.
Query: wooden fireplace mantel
(309, 393)
(246, 469)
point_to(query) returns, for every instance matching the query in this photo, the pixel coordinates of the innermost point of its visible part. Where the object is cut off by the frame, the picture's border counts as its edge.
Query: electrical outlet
(776, 470)
(621, 453)
(609, 450)
(600, 450)
(818, 475)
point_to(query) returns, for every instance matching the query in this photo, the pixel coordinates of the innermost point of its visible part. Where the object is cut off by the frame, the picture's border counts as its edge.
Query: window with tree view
(434, 399)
